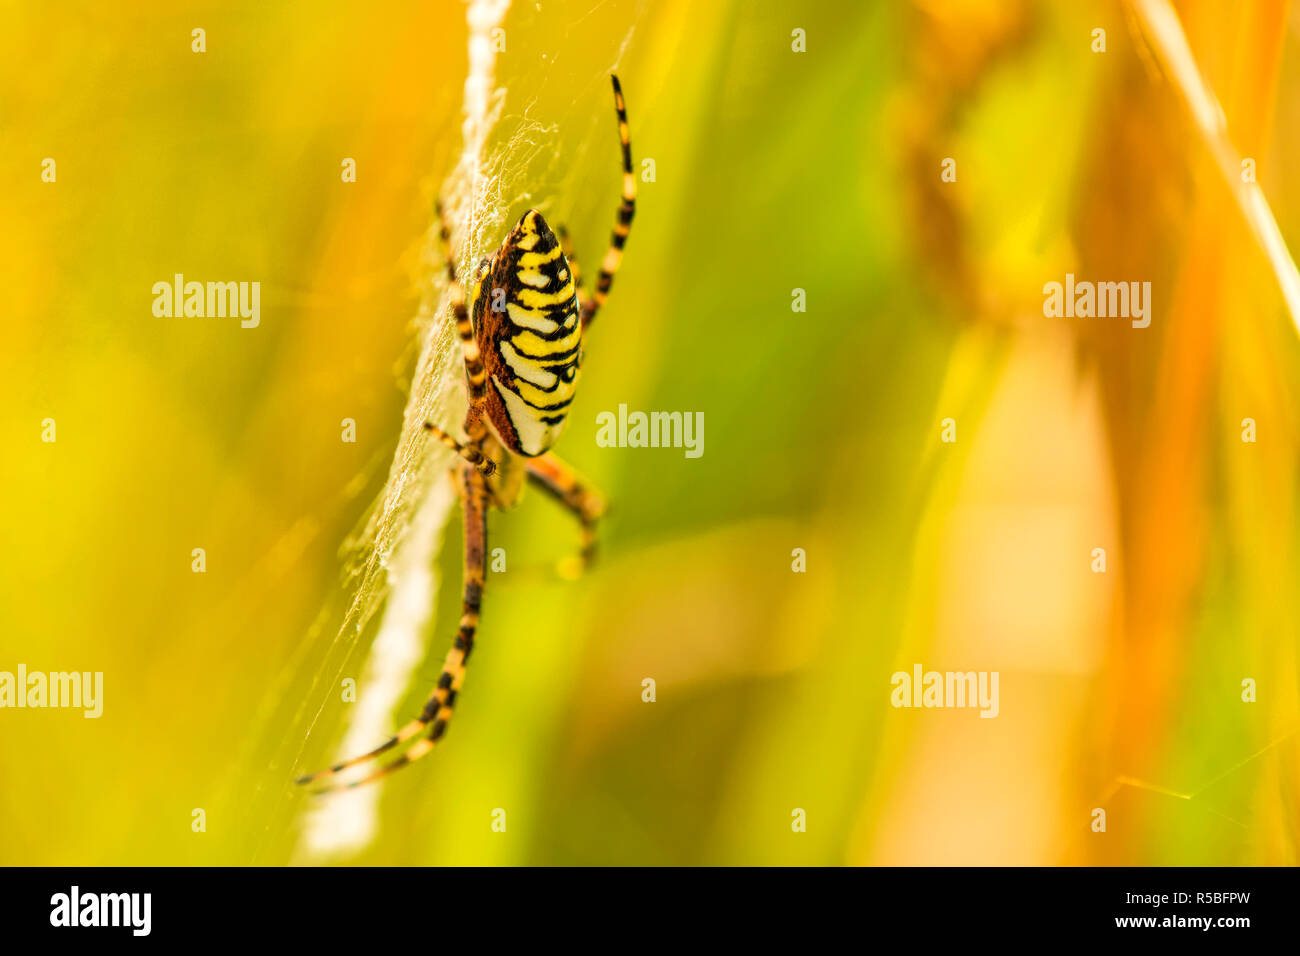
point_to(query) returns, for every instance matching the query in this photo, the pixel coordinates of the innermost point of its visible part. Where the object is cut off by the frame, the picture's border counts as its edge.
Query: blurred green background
(775, 170)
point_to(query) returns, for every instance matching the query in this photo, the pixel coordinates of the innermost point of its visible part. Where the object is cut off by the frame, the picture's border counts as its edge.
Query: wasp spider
(521, 331)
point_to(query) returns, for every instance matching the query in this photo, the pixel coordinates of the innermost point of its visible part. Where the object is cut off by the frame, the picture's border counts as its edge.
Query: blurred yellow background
(775, 170)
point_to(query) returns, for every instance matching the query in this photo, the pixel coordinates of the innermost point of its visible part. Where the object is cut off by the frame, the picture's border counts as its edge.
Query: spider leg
(566, 246)
(626, 210)
(560, 482)
(438, 709)
(470, 452)
(475, 373)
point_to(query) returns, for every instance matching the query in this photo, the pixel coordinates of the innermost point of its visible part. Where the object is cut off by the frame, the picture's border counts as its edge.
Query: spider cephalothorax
(521, 333)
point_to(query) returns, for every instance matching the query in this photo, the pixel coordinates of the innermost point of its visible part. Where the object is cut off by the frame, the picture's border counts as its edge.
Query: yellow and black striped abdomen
(525, 314)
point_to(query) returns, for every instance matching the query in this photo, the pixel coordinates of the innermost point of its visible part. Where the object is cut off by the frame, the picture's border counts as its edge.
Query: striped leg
(626, 210)
(469, 452)
(438, 710)
(559, 481)
(475, 374)
(566, 246)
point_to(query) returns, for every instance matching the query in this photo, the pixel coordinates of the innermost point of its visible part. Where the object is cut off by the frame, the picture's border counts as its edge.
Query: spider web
(392, 563)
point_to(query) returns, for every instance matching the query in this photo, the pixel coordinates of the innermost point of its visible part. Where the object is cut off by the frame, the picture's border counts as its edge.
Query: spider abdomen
(526, 322)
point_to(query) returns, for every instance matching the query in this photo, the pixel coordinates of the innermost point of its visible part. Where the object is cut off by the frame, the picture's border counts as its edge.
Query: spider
(521, 333)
